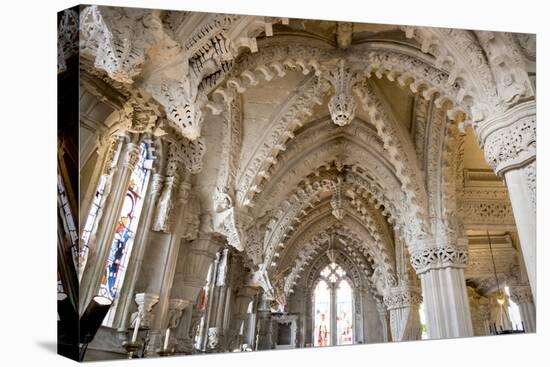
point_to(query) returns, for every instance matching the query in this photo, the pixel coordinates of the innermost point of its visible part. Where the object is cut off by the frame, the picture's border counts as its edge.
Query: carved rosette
(430, 258)
(509, 139)
(402, 296)
(145, 302)
(521, 294)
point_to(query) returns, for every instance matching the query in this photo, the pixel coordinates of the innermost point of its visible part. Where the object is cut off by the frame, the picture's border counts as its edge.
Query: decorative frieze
(403, 296)
(426, 259)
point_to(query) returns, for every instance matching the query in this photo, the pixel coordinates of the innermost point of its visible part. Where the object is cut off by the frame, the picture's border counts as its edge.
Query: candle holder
(131, 348)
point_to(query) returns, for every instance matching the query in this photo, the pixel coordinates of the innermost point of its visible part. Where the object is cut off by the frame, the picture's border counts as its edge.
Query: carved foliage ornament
(187, 152)
(400, 297)
(439, 257)
(118, 38)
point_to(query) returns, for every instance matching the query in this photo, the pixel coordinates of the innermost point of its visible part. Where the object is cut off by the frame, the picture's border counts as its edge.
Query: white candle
(166, 337)
(136, 329)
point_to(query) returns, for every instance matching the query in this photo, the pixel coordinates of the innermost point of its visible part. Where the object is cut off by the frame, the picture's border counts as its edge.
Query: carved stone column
(509, 142)
(238, 331)
(176, 307)
(263, 328)
(145, 302)
(191, 273)
(521, 295)
(441, 272)
(383, 314)
(403, 303)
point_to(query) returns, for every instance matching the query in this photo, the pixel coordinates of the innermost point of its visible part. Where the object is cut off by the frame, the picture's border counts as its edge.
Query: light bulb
(500, 301)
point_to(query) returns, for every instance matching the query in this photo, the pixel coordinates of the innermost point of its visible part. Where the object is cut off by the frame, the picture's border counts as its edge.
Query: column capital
(402, 296)
(442, 256)
(521, 294)
(509, 138)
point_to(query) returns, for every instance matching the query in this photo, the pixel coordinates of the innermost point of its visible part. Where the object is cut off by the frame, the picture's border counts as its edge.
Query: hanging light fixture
(501, 298)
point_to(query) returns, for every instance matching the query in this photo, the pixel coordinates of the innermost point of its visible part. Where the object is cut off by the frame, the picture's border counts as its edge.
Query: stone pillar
(509, 142)
(238, 331)
(383, 313)
(103, 236)
(191, 273)
(162, 254)
(521, 295)
(263, 326)
(441, 272)
(403, 303)
(484, 313)
(145, 302)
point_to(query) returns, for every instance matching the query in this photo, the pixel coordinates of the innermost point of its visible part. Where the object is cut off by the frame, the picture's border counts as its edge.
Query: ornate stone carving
(215, 336)
(67, 38)
(342, 104)
(175, 311)
(336, 200)
(145, 302)
(344, 34)
(486, 212)
(509, 139)
(189, 153)
(119, 38)
(165, 203)
(426, 259)
(139, 116)
(403, 296)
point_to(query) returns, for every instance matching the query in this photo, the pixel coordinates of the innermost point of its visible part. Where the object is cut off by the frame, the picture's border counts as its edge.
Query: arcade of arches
(254, 183)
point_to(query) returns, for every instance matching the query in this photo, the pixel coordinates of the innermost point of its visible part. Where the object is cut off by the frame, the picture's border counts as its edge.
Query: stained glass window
(322, 300)
(68, 221)
(333, 299)
(94, 209)
(344, 307)
(121, 246)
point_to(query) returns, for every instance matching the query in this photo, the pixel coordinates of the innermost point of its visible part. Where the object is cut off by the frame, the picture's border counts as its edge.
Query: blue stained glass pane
(125, 229)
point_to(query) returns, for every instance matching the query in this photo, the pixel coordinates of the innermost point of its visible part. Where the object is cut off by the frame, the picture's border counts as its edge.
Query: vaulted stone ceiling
(313, 127)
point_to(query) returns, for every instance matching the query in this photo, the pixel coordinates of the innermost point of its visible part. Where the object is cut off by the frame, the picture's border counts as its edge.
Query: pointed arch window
(333, 307)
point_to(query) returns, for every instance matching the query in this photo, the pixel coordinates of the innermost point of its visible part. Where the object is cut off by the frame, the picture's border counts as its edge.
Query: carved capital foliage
(131, 158)
(139, 116)
(187, 153)
(426, 259)
(119, 38)
(509, 139)
(521, 294)
(403, 296)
